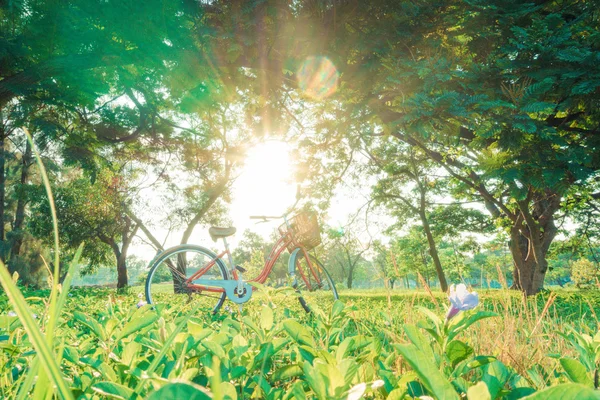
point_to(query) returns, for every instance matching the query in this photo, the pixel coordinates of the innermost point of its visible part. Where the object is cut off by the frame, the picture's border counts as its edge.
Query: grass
(100, 327)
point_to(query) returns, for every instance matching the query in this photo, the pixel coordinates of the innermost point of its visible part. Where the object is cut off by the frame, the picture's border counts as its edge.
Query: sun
(265, 185)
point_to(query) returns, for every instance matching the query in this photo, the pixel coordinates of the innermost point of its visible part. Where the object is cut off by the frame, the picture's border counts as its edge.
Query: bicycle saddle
(217, 232)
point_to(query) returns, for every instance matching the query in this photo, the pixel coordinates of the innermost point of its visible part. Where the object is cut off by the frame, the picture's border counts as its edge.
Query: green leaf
(91, 323)
(479, 392)
(299, 333)
(566, 391)
(457, 351)
(180, 390)
(112, 390)
(427, 371)
(419, 340)
(137, 322)
(266, 318)
(287, 372)
(576, 371)
(158, 358)
(464, 320)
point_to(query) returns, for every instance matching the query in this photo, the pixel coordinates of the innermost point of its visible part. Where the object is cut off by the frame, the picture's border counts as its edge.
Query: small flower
(426, 398)
(12, 314)
(141, 303)
(377, 384)
(357, 391)
(461, 300)
(140, 295)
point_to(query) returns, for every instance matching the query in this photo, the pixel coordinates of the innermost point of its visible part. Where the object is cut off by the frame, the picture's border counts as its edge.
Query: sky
(265, 187)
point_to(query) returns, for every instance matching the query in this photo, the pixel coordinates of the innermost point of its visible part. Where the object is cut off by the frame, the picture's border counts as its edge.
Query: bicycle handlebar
(265, 217)
(290, 210)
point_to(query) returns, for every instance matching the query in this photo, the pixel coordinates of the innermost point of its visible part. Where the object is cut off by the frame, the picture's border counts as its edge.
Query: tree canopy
(492, 103)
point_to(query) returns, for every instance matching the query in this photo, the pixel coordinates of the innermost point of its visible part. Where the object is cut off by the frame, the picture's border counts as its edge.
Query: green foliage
(584, 273)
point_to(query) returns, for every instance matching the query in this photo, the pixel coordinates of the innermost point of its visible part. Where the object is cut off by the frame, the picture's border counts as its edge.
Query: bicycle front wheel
(170, 279)
(311, 280)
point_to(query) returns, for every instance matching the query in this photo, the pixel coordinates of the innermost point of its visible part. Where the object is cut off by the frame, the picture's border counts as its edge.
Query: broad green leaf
(287, 372)
(228, 391)
(464, 320)
(419, 340)
(214, 348)
(566, 391)
(337, 308)
(576, 371)
(180, 390)
(315, 379)
(479, 392)
(112, 390)
(299, 333)
(427, 371)
(158, 358)
(457, 351)
(137, 323)
(520, 392)
(495, 376)
(266, 318)
(91, 323)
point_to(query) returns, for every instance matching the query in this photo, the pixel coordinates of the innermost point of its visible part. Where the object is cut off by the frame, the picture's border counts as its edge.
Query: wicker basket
(304, 229)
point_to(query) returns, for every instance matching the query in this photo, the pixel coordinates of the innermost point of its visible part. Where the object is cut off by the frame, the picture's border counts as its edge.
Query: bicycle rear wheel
(311, 279)
(170, 271)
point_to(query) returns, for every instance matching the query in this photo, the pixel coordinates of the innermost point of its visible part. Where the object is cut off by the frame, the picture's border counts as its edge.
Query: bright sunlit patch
(318, 77)
(265, 186)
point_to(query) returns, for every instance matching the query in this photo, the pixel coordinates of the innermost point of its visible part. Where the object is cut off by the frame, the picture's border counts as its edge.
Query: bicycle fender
(292, 261)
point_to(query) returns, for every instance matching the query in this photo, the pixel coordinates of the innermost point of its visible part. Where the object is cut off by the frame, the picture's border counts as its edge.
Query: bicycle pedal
(242, 270)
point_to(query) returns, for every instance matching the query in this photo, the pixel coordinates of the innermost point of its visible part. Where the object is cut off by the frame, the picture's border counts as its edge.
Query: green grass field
(373, 343)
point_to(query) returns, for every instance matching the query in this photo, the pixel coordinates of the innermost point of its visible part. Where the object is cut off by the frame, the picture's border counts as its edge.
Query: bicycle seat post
(228, 254)
(232, 266)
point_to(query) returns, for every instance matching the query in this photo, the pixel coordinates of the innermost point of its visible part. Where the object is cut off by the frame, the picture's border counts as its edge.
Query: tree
(584, 273)
(500, 95)
(93, 214)
(385, 264)
(406, 169)
(344, 255)
(410, 255)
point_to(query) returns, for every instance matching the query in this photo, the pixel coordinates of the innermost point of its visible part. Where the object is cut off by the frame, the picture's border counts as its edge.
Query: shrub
(584, 273)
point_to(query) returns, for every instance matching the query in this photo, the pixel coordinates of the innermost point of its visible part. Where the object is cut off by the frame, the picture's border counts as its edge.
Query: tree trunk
(433, 250)
(2, 188)
(530, 240)
(122, 271)
(349, 280)
(21, 203)
(216, 192)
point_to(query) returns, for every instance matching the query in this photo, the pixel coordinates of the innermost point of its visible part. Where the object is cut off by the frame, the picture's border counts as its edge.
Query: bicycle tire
(163, 276)
(318, 278)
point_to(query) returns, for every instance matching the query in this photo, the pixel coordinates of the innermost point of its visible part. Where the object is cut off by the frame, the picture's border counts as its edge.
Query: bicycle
(195, 270)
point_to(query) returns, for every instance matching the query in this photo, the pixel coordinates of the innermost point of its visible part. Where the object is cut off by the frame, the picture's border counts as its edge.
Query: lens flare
(318, 77)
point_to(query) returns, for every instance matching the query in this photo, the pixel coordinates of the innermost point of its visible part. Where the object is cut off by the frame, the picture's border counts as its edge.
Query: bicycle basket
(304, 228)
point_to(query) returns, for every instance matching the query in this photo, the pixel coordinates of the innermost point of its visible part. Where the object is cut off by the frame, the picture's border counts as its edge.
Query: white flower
(426, 398)
(461, 300)
(141, 303)
(357, 391)
(377, 384)
(12, 314)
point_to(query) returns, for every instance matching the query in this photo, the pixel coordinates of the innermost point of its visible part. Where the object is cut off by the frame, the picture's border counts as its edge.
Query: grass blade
(35, 335)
